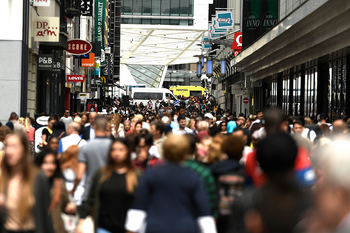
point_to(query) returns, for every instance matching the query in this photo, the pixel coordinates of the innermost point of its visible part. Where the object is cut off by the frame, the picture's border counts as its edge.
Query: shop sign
(90, 62)
(45, 3)
(56, 66)
(206, 43)
(237, 42)
(224, 20)
(86, 7)
(45, 62)
(75, 78)
(217, 30)
(78, 47)
(46, 29)
(83, 96)
(100, 12)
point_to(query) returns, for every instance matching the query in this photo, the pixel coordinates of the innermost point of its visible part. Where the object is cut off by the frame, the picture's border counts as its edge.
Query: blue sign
(206, 43)
(224, 20)
(217, 30)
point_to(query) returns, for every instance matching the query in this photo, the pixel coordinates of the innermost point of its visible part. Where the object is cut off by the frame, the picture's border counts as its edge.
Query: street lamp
(199, 69)
(209, 67)
(223, 64)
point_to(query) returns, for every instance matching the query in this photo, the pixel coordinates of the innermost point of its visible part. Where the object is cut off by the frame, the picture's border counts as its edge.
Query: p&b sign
(46, 29)
(45, 62)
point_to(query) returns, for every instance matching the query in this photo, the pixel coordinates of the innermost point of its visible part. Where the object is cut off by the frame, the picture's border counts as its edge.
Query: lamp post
(223, 64)
(209, 67)
(199, 69)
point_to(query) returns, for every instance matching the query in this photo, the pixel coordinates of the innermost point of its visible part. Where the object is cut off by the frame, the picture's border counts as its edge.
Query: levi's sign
(75, 78)
(78, 47)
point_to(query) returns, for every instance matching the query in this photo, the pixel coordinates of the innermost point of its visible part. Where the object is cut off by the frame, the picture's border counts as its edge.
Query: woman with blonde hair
(191, 124)
(117, 126)
(112, 191)
(69, 168)
(24, 191)
(30, 134)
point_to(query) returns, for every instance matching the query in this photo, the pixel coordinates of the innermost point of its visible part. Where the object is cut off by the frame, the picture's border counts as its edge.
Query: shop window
(285, 92)
(273, 91)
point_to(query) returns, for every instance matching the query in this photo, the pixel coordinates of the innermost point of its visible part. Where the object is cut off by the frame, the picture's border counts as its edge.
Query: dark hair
(220, 125)
(276, 154)
(233, 146)
(147, 137)
(274, 117)
(259, 111)
(160, 126)
(52, 117)
(298, 122)
(101, 123)
(58, 125)
(181, 117)
(192, 141)
(39, 160)
(138, 123)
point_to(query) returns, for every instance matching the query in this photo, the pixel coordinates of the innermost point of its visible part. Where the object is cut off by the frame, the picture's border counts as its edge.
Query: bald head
(92, 117)
(73, 128)
(339, 127)
(13, 117)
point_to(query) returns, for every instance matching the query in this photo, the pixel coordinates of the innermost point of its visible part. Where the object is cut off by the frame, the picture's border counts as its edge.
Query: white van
(143, 95)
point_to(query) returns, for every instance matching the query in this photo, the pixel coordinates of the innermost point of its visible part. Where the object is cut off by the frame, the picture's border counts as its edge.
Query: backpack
(316, 129)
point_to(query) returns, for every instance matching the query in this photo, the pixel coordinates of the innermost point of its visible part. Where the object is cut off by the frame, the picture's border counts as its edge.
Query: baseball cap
(208, 115)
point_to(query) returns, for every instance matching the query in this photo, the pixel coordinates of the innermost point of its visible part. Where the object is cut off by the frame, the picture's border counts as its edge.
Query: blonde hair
(308, 121)
(70, 158)
(21, 120)
(215, 152)
(78, 120)
(189, 124)
(29, 172)
(27, 124)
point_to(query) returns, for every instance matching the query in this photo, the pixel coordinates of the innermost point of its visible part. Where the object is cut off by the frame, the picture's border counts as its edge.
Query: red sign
(78, 47)
(245, 100)
(90, 62)
(75, 78)
(236, 52)
(237, 43)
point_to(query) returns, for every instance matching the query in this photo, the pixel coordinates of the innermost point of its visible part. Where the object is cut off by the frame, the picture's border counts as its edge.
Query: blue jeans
(101, 230)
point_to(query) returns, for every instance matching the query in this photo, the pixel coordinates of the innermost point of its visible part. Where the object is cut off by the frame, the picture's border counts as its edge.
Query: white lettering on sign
(77, 47)
(45, 60)
(75, 78)
(46, 29)
(45, 3)
(227, 20)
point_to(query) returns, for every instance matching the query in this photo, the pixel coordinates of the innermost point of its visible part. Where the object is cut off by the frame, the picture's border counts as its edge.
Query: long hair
(131, 177)
(27, 123)
(70, 158)
(116, 122)
(29, 172)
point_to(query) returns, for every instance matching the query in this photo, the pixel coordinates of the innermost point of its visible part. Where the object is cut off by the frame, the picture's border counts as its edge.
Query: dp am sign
(46, 29)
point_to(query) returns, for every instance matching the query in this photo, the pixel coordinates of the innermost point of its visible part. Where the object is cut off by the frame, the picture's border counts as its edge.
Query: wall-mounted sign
(83, 96)
(45, 62)
(56, 66)
(75, 78)
(46, 29)
(100, 13)
(78, 47)
(45, 3)
(90, 62)
(224, 20)
(86, 7)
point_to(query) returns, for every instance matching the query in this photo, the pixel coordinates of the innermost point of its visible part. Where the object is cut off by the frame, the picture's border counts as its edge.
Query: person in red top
(276, 121)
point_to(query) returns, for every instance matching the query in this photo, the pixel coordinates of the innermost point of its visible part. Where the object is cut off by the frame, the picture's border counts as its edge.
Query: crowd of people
(189, 168)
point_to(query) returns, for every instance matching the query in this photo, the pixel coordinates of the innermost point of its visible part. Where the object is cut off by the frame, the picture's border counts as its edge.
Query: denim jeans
(101, 230)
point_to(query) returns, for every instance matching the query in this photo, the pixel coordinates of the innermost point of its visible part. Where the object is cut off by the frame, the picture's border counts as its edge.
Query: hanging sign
(217, 30)
(237, 42)
(206, 43)
(46, 29)
(86, 7)
(224, 20)
(100, 12)
(90, 62)
(45, 3)
(75, 78)
(78, 47)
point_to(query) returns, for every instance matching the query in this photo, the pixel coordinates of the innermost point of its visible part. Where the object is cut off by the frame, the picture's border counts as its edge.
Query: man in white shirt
(73, 138)
(182, 126)
(299, 129)
(66, 119)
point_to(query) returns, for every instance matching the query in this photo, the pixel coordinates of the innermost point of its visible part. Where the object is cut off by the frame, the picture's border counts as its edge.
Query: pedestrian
(171, 190)
(73, 138)
(112, 191)
(88, 132)
(48, 163)
(4, 131)
(48, 130)
(182, 126)
(93, 155)
(53, 144)
(144, 159)
(16, 125)
(24, 191)
(66, 119)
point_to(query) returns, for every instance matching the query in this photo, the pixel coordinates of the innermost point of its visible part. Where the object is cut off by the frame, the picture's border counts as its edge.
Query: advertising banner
(86, 7)
(212, 34)
(46, 29)
(92, 105)
(90, 62)
(217, 30)
(100, 12)
(269, 15)
(237, 43)
(224, 20)
(206, 43)
(45, 62)
(251, 21)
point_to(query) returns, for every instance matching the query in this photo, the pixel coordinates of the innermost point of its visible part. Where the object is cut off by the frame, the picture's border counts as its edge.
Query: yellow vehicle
(187, 91)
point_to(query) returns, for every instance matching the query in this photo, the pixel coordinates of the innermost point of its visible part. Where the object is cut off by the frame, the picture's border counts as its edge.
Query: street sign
(245, 100)
(78, 47)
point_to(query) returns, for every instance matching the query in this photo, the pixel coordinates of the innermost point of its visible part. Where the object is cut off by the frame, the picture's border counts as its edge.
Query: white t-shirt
(70, 176)
(305, 134)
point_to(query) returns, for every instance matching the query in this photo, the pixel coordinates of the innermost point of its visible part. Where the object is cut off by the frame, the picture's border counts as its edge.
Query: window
(127, 9)
(137, 7)
(165, 7)
(147, 96)
(155, 21)
(175, 7)
(147, 7)
(174, 22)
(156, 7)
(337, 87)
(196, 93)
(184, 7)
